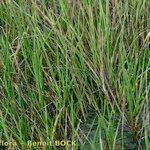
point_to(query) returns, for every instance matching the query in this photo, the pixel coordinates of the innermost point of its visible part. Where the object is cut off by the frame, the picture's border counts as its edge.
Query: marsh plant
(75, 70)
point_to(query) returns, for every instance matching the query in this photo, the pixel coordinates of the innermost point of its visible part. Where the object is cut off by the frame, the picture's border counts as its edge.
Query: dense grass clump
(75, 70)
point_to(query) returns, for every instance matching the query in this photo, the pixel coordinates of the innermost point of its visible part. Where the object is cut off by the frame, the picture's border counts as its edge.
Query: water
(89, 130)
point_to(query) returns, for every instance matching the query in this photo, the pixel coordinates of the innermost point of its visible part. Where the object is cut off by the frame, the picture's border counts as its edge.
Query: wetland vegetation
(75, 70)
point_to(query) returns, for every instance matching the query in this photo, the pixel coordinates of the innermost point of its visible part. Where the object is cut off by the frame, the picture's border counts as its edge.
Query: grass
(75, 70)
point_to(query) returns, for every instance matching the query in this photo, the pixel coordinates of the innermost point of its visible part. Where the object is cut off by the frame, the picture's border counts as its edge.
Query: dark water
(125, 136)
